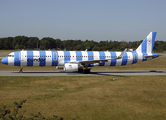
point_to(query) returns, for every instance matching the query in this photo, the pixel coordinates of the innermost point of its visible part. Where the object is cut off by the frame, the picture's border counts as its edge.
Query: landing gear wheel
(80, 70)
(21, 70)
(86, 71)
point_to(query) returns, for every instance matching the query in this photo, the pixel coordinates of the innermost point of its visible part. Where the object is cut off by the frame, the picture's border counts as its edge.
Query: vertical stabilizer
(147, 45)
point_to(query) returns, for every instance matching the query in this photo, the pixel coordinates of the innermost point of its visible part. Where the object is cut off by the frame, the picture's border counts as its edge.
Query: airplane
(71, 61)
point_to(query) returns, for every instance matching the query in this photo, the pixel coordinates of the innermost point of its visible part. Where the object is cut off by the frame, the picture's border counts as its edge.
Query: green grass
(88, 98)
(5, 52)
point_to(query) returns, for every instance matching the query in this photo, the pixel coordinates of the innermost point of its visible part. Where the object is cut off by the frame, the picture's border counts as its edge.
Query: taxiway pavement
(93, 73)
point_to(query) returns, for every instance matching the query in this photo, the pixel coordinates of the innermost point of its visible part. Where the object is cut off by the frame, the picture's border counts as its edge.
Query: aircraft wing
(99, 61)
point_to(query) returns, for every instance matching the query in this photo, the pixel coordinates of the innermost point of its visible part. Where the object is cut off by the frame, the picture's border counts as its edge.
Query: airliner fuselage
(80, 60)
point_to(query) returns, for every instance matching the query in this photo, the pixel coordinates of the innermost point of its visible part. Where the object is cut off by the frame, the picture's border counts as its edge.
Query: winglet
(122, 54)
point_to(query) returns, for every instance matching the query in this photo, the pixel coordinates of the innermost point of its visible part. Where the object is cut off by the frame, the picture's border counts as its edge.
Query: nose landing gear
(21, 69)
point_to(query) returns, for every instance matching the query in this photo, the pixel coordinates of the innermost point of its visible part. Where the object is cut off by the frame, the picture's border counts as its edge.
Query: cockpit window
(10, 56)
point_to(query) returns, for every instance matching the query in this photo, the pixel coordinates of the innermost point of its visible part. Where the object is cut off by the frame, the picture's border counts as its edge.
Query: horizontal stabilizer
(150, 56)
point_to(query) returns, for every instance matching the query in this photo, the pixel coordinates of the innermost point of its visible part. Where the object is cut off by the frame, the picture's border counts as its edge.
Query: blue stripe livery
(113, 56)
(42, 58)
(144, 46)
(102, 57)
(54, 58)
(90, 57)
(17, 58)
(29, 58)
(66, 56)
(153, 39)
(79, 55)
(135, 57)
(124, 59)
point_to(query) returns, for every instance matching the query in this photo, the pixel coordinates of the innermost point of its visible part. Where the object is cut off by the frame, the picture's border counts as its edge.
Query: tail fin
(147, 45)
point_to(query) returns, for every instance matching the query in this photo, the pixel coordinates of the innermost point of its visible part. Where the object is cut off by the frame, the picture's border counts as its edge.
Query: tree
(20, 40)
(33, 42)
(1, 43)
(23, 42)
(17, 46)
(58, 43)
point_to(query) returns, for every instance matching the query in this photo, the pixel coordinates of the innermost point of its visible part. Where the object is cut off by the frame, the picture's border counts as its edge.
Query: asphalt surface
(93, 73)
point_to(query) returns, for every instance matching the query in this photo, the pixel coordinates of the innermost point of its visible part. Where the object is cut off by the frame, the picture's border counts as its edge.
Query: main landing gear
(80, 70)
(86, 71)
(21, 69)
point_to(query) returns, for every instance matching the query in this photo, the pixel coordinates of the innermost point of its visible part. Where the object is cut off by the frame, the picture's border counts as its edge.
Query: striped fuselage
(59, 58)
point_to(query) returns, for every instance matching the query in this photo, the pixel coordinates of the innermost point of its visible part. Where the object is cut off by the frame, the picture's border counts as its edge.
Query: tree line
(30, 43)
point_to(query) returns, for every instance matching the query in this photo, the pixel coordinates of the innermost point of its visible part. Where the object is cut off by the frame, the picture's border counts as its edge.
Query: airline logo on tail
(147, 45)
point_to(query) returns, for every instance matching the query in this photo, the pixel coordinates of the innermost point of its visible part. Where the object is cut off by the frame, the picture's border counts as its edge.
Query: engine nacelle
(68, 67)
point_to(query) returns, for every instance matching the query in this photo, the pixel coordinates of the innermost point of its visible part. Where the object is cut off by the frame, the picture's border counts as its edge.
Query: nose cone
(5, 60)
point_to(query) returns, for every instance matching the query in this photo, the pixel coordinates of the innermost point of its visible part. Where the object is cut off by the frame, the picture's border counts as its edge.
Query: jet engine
(68, 67)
